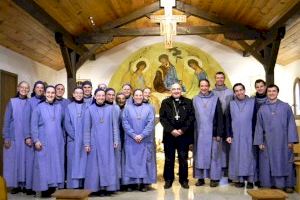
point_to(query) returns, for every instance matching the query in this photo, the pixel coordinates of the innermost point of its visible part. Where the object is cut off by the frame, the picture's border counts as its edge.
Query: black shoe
(142, 188)
(30, 192)
(250, 185)
(185, 185)
(289, 190)
(200, 182)
(168, 184)
(214, 183)
(257, 184)
(15, 190)
(45, 194)
(239, 185)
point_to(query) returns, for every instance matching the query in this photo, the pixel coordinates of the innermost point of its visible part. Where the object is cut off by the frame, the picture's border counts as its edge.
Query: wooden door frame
(2, 118)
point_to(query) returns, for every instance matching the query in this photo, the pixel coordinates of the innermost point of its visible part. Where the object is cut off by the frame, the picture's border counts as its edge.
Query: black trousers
(182, 147)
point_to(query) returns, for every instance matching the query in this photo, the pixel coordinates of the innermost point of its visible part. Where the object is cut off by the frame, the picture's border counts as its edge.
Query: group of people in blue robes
(105, 142)
(89, 141)
(247, 139)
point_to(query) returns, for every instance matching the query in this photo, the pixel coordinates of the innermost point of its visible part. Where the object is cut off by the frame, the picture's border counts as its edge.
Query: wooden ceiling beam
(45, 19)
(277, 28)
(197, 12)
(107, 36)
(254, 53)
(282, 22)
(83, 58)
(132, 16)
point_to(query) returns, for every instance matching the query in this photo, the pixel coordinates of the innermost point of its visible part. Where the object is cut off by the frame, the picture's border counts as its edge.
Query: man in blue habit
(208, 133)
(275, 133)
(101, 137)
(138, 124)
(15, 131)
(239, 130)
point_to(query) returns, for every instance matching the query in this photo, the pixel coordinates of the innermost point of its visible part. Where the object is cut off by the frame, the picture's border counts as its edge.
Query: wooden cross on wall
(168, 22)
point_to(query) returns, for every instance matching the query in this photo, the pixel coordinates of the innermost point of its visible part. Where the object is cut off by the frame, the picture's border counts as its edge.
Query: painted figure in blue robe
(275, 133)
(47, 134)
(208, 136)
(165, 76)
(87, 92)
(101, 137)
(225, 96)
(199, 72)
(239, 132)
(76, 155)
(138, 124)
(127, 90)
(60, 91)
(37, 96)
(15, 131)
(260, 99)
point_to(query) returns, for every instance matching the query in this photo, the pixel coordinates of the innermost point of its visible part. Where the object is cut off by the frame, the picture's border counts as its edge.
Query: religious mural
(158, 68)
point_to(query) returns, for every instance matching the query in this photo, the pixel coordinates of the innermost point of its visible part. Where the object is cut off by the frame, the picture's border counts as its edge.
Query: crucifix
(168, 22)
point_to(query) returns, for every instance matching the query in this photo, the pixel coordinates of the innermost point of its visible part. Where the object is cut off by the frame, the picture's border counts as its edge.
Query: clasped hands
(177, 132)
(138, 138)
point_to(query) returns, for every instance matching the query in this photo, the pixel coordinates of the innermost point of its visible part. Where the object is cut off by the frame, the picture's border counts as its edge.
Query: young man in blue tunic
(101, 137)
(47, 134)
(225, 96)
(239, 131)
(87, 91)
(275, 134)
(208, 134)
(15, 131)
(138, 124)
(76, 156)
(127, 90)
(37, 96)
(59, 92)
(260, 99)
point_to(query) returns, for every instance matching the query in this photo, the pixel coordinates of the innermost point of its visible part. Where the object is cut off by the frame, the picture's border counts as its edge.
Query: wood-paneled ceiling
(21, 32)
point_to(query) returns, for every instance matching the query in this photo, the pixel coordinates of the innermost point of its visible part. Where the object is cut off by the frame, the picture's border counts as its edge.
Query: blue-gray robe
(139, 157)
(239, 120)
(76, 155)
(88, 100)
(276, 128)
(101, 132)
(209, 125)
(33, 101)
(15, 130)
(225, 96)
(47, 128)
(63, 102)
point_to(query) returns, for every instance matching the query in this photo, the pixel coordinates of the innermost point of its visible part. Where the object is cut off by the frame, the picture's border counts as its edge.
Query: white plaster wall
(29, 70)
(239, 68)
(285, 77)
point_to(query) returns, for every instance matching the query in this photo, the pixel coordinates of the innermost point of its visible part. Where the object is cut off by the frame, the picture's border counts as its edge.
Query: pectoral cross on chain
(177, 117)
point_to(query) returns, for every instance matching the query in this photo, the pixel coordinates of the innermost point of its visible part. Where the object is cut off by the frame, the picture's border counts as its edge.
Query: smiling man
(275, 134)
(177, 118)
